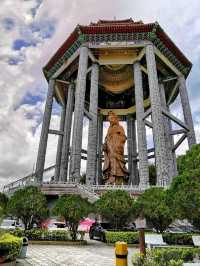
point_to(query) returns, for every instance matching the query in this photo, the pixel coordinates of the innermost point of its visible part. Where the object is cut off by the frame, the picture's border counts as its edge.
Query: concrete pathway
(93, 254)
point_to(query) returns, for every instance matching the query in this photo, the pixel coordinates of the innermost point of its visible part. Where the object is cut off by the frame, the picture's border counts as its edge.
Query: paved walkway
(93, 254)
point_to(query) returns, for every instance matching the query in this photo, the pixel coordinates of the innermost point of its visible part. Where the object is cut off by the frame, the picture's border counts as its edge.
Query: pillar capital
(150, 44)
(137, 61)
(84, 45)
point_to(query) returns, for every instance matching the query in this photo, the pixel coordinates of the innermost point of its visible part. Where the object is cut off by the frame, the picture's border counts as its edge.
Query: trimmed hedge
(43, 235)
(129, 237)
(166, 256)
(185, 254)
(133, 238)
(178, 239)
(10, 246)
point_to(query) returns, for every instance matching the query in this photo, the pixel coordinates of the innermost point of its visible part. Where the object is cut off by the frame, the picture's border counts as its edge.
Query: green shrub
(129, 237)
(10, 246)
(166, 257)
(41, 234)
(148, 260)
(175, 263)
(178, 239)
(133, 238)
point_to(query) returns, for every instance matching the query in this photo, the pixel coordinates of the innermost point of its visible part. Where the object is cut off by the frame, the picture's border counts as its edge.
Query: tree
(185, 188)
(116, 206)
(73, 209)
(153, 205)
(189, 161)
(184, 196)
(1, 214)
(3, 202)
(152, 174)
(29, 205)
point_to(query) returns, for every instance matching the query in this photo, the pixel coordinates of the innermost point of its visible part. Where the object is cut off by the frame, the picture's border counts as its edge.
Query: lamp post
(140, 226)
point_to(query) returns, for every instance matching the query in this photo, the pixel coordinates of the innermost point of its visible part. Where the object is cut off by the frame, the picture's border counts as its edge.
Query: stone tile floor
(93, 254)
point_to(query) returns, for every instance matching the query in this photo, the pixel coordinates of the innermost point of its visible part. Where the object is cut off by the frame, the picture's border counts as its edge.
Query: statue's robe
(114, 169)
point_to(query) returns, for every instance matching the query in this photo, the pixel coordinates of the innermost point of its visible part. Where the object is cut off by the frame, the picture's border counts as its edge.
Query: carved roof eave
(118, 33)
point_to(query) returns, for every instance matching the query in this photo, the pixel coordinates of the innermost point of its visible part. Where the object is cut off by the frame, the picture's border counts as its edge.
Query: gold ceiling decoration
(116, 78)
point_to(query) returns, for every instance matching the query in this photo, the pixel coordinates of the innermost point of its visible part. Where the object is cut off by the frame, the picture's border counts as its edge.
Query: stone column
(44, 132)
(75, 157)
(157, 119)
(60, 143)
(92, 133)
(67, 133)
(132, 150)
(168, 137)
(141, 132)
(99, 149)
(187, 111)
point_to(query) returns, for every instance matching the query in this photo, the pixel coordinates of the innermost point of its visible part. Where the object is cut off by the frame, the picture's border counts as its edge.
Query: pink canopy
(85, 224)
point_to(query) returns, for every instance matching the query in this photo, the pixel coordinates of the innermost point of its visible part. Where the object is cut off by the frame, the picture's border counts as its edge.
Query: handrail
(24, 180)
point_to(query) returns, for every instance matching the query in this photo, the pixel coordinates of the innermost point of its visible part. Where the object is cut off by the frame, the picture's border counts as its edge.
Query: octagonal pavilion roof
(118, 31)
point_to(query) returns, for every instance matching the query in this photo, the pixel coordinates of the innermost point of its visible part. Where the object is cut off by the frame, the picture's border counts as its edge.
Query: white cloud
(18, 140)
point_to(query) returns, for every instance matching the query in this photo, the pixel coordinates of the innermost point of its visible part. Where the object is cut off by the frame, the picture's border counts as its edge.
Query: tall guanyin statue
(114, 170)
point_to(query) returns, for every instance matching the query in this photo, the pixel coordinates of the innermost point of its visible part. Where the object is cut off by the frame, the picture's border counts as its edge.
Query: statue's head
(113, 118)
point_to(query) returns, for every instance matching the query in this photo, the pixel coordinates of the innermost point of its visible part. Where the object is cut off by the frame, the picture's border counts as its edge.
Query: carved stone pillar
(75, 157)
(157, 119)
(141, 132)
(168, 137)
(92, 133)
(67, 133)
(187, 111)
(132, 151)
(44, 132)
(60, 143)
(99, 149)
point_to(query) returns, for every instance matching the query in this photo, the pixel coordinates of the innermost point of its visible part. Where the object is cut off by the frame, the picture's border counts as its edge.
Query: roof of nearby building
(137, 30)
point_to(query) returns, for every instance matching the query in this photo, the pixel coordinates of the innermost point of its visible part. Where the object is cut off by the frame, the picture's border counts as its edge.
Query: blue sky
(32, 30)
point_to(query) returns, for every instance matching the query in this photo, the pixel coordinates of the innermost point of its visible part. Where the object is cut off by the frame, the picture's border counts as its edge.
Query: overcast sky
(30, 33)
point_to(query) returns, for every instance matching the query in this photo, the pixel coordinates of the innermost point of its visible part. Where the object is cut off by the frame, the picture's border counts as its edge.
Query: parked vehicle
(53, 224)
(97, 230)
(130, 227)
(182, 229)
(9, 224)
